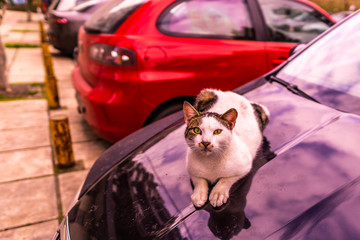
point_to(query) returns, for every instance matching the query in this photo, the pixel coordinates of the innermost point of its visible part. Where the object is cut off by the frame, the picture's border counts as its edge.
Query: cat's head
(208, 133)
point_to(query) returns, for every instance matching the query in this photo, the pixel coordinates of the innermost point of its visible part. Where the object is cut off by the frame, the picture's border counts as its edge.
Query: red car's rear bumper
(109, 109)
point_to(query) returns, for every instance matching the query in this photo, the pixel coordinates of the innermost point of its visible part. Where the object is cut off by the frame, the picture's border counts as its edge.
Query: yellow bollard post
(50, 79)
(48, 63)
(52, 92)
(61, 140)
(42, 32)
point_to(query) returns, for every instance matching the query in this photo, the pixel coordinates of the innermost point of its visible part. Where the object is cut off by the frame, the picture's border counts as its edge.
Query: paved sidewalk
(33, 195)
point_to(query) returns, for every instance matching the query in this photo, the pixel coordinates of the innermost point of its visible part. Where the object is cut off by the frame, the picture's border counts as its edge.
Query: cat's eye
(217, 131)
(197, 130)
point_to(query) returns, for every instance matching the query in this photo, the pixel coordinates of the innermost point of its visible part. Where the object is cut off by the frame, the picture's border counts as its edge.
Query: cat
(223, 134)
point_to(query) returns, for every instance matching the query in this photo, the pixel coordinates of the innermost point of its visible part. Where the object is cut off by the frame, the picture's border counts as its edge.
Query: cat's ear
(189, 112)
(230, 116)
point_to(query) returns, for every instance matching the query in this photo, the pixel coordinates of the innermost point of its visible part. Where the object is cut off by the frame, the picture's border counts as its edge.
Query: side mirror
(297, 48)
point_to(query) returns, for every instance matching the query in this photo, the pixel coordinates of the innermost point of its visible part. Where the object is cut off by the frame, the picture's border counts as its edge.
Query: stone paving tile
(12, 37)
(10, 54)
(25, 119)
(68, 103)
(32, 37)
(41, 231)
(23, 57)
(19, 35)
(17, 20)
(29, 163)
(66, 83)
(63, 78)
(81, 132)
(69, 186)
(20, 138)
(66, 92)
(89, 152)
(63, 64)
(23, 106)
(27, 201)
(22, 23)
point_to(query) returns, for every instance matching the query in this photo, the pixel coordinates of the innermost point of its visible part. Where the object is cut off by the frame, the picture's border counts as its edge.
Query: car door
(288, 23)
(207, 43)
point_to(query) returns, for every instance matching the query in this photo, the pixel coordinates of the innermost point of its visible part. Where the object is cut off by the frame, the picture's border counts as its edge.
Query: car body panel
(185, 74)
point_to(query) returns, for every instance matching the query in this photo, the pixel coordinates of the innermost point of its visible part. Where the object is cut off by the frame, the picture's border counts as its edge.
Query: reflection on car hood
(310, 190)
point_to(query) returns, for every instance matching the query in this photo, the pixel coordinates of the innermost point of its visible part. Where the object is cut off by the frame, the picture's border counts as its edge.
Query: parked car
(64, 25)
(341, 15)
(139, 60)
(61, 5)
(305, 182)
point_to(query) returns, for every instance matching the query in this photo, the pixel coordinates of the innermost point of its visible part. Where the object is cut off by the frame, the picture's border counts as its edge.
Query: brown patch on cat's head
(205, 100)
(261, 115)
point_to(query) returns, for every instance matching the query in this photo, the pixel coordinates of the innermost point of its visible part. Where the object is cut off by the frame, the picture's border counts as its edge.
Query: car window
(208, 18)
(54, 5)
(84, 6)
(291, 21)
(65, 5)
(108, 18)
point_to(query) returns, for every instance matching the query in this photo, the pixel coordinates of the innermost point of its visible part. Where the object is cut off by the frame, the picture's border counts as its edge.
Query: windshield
(84, 6)
(111, 16)
(329, 70)
(64, 5)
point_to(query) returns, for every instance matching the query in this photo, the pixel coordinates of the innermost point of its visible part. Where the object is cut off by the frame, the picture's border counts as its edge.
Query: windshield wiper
(291, 87)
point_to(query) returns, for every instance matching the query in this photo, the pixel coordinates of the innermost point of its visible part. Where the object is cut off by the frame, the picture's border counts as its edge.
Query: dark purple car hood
(305, 182)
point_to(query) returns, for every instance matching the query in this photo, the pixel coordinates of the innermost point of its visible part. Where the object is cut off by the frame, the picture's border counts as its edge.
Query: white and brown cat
(223, 133)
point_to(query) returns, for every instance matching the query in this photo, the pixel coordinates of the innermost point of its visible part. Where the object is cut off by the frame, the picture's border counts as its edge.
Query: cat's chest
(213, 169)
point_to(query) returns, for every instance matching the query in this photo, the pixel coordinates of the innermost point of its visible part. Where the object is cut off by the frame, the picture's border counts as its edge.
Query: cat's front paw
(218, 196)
(199, 198)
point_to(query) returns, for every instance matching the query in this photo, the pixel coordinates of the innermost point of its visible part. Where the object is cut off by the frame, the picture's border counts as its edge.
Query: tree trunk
(29, 5)
(3, 67)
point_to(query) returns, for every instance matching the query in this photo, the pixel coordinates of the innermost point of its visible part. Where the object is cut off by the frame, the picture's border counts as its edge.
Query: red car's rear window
(108, 18)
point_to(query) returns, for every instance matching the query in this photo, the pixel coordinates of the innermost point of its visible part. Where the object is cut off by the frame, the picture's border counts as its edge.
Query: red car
(138, 60)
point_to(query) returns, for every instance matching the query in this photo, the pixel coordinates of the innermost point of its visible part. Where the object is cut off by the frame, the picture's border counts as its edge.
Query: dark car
(305, 181)
(62, 5)
(139, 60)
(64, 24)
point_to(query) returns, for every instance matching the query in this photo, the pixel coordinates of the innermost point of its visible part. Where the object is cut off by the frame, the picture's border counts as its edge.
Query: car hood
(304, 184)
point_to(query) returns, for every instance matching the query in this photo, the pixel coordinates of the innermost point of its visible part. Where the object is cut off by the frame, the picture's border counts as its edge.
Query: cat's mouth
(205, 151)
(205, 147)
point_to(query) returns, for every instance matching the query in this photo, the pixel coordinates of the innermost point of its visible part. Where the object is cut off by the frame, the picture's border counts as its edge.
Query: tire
(164, 111)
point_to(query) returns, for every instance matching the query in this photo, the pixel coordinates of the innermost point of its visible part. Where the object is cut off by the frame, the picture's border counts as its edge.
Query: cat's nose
(205, 145)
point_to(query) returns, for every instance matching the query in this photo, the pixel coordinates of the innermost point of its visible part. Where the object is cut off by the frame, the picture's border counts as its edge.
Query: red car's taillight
(60, 20)
(112, 55)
